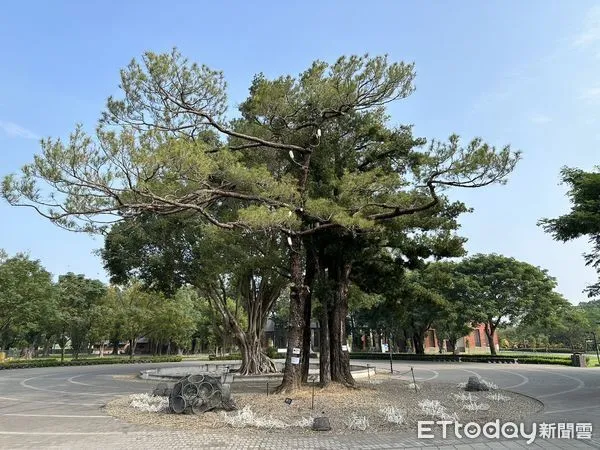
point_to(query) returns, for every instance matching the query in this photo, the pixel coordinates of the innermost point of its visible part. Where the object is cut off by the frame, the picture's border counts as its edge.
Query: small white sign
(344, 348)
(295, 360)
(296, 351)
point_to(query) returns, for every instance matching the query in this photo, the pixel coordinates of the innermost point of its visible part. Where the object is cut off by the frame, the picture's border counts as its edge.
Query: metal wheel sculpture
(200, 393)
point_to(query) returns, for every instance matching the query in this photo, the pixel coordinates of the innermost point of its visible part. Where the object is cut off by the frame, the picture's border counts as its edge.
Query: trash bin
(578, 359)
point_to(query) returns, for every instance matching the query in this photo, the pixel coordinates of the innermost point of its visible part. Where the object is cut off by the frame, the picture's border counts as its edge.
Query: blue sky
(524, 73)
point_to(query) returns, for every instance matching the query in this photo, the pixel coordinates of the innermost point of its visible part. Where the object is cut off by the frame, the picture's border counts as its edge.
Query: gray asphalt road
(63, 408)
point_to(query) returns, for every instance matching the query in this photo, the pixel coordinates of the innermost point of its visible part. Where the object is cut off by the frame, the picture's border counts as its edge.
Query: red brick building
(476, 341)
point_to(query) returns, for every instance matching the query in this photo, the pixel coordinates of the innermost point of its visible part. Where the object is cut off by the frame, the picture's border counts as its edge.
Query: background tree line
(78, 312)
(395, 303)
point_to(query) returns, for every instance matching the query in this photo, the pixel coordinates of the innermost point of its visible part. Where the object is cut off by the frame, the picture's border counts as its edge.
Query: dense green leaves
(567, 328)
(77, 312)
(240, 274)
(452, 297)
(175, 320)
(27, 298)
(77, 298)
(584, 217)
(508, 290)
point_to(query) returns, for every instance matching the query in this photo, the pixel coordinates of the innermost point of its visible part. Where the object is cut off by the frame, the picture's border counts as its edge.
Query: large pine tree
(310, 156)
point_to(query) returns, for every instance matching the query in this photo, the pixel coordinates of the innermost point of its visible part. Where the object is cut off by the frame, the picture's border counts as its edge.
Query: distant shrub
(45, 362)
(272, 353)
(232, 357)
(505, 359)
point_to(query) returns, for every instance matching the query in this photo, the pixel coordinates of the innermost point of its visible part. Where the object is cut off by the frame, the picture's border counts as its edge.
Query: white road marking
(472, 372)
(57, 416)
(21, 400)
(64, 433)
(409, 377)
(525, 380)
(558, 411)
(28, 386)
(580, 384)
(71, 380)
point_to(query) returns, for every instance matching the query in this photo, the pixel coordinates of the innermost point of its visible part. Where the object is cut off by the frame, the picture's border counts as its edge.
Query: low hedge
(232, 357)
(522, 359)
(31, 363)
(238, 357)
(542, 360)
(544, 350)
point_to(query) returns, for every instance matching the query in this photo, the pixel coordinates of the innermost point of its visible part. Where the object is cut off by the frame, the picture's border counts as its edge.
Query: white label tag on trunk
(295, 360)
(344, 348)
(296, 351)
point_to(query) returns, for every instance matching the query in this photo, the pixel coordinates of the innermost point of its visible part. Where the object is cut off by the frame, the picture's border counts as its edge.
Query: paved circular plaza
(63, 408)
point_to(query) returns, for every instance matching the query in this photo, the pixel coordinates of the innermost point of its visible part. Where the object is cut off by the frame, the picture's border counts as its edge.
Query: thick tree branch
(231, 133)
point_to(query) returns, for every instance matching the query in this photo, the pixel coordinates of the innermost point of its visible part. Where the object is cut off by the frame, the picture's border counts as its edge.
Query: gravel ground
(349, 410)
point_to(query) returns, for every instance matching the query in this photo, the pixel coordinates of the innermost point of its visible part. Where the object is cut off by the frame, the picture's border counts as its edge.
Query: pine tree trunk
(305, 357)
(340, 358)
(292, 374)
(311, 269)
(324, 347)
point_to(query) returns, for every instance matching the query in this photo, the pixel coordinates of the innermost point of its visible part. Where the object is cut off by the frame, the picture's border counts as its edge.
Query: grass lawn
(544, 354)
(593, 361)
(592, 357)
(198, 357)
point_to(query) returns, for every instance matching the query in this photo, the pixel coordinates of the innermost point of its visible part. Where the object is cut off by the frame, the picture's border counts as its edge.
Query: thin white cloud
(591, 94)
(590, 32)
(13, 130)
(589, 121)
(539, 119)
(489, 99)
